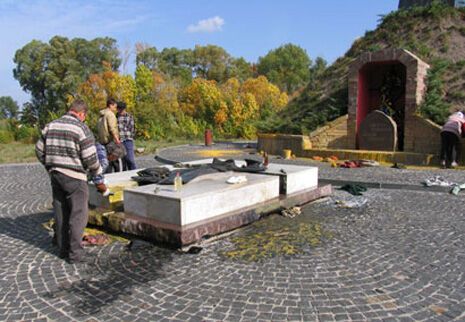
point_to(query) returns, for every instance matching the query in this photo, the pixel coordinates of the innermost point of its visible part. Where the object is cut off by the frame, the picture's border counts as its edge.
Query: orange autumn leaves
(230, 108)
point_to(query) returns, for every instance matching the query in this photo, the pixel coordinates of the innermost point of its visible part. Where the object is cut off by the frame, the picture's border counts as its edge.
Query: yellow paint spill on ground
(276, 236)
(216, 153)
(48, 225)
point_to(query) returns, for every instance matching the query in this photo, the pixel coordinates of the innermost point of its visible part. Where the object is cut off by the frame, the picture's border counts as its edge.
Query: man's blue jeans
(129, 162)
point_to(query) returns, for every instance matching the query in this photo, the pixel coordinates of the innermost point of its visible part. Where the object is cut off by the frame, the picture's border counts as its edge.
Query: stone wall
(426, 137)
(331, 136)
(276, 143)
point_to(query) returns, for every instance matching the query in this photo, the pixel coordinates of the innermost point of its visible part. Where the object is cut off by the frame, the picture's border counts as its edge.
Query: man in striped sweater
(67, 150)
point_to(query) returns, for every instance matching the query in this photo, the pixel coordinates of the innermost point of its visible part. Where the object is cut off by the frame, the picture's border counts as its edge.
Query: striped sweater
(67, 145)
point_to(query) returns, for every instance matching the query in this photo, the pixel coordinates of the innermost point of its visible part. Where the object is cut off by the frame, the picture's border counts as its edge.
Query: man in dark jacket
(67, 150)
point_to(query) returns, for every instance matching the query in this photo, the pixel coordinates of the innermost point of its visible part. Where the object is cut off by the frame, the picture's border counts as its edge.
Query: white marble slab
(294, 178)
(204, 198)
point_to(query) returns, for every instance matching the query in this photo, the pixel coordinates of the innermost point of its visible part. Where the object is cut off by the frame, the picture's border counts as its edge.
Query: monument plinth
(207, 205)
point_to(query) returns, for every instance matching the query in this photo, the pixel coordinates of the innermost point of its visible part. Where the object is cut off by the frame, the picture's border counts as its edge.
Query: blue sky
(247, 28)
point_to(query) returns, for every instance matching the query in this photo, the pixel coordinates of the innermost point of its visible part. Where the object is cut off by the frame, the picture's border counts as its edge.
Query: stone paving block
(389, 246)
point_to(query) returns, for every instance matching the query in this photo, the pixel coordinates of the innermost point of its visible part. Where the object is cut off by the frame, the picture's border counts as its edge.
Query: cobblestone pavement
(374, 174)
(401, 257)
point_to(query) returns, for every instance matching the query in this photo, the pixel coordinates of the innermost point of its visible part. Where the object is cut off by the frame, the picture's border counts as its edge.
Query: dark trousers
(115, 166)
(450, 145)
(70, 199)
(129, 162)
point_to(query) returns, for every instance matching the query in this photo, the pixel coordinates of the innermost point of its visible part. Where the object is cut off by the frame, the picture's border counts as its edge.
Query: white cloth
(236, 179)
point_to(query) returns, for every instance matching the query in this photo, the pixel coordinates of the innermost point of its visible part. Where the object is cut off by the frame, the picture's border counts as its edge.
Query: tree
(109, 83)
(268, 96)
(240, 69)
(286, 66)
(176, 64)
(316, 70)
(28, 115)
(173, 63)
(238, 115)
(201, 100)
(147, 56)
(8, 108)
(211, 62)
(144, 83)
(52, 72)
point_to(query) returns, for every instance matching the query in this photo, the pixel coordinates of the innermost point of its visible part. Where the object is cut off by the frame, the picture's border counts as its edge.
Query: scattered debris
(368, 163)
(291, 212)
(91, 236)
(438, 181)
(317, 158)
(437, 309)
(140, 150)
(359, 163)
(194, 250)
(398, 166)
(350, 164)
(135, 244)
(376, 299)
(95, 240)
(50, 227)
(354, 189)
(236, 179)
(354, 203)
(455, 191)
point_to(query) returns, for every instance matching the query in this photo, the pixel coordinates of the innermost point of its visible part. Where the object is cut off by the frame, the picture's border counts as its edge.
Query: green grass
(16, 152)
(152, 146)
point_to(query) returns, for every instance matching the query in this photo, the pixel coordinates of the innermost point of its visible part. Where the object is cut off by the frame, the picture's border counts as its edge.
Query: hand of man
(101, 187)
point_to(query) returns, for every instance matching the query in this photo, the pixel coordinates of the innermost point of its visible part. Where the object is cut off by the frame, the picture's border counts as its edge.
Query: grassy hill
(436, 34)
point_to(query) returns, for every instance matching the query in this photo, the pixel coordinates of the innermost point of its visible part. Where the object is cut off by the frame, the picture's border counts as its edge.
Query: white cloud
(207, 25)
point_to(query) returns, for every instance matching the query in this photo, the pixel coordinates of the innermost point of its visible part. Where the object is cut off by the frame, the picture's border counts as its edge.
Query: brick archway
(359, 102)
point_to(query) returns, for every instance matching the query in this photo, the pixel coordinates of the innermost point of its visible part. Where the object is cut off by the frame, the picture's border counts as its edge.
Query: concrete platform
(203, 198)
(178, 235)
(206, 205)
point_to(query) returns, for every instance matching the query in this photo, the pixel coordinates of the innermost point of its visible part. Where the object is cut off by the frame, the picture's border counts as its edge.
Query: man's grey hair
(78, 106)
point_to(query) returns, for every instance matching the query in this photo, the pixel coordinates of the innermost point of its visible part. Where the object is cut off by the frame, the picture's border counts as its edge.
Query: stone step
(409, 158)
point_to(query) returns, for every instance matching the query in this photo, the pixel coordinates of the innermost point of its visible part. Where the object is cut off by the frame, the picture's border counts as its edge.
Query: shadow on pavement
(114, 277)
(28, 228)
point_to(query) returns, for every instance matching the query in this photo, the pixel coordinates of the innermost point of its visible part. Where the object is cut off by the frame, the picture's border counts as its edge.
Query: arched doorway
(381, 86)
(392, 80)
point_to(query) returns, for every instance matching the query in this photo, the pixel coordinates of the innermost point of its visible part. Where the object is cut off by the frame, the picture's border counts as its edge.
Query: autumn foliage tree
(108, 84)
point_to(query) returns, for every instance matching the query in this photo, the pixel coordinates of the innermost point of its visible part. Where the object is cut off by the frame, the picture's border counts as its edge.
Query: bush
(434, 106)
(6, 136)
(26, 134)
